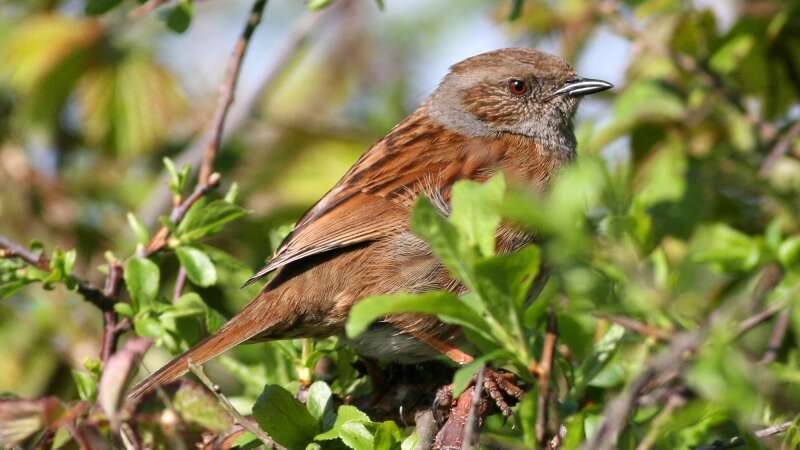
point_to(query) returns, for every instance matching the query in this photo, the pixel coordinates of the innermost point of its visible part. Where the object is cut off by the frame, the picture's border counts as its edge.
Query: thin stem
(228, 406)
(545, 370)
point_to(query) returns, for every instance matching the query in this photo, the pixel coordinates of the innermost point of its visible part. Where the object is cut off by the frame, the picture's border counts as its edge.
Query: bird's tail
(254, 319)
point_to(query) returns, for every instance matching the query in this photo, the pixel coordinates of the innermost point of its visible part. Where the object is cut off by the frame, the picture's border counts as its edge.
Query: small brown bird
(508, 110)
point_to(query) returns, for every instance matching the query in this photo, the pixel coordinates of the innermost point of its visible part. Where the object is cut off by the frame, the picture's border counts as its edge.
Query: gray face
(519, 91)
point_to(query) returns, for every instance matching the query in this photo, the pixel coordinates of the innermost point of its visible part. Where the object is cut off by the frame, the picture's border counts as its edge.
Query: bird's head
(513, 90)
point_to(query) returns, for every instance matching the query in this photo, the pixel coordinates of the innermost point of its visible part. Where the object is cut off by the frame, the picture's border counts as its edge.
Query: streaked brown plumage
(509, 110)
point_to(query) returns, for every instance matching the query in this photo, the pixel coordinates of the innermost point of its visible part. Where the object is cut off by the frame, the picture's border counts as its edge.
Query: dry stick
(469, 429)
(228, 406)
(776, 339)
(545, 369)
(738, 441)
(781, 147)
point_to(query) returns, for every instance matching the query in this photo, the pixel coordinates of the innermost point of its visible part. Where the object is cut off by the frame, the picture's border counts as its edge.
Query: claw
(442, 400)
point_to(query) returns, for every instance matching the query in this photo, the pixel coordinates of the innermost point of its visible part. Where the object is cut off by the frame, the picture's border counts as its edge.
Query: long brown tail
(254, 319)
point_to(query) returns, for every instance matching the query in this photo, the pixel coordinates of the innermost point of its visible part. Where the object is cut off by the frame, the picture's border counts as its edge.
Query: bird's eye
(517, 86)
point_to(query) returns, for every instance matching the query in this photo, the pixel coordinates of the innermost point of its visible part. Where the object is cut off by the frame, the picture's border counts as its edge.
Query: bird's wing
(374, 197)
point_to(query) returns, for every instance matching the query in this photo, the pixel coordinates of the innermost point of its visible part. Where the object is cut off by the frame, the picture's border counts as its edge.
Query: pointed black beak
(578, 87)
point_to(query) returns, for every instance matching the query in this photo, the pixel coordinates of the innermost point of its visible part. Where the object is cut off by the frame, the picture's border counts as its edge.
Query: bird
(509, 110)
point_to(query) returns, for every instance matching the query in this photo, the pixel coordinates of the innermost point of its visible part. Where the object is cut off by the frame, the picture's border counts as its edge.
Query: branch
(776, 339)
(90, 293)
(639, 327)
(663, 368)
(739, 441)
(193, 154)
(472, 419)
(228, 406)
(781, 147)
(207, 180)
(545, 367)
(146, 8)
(228, 89)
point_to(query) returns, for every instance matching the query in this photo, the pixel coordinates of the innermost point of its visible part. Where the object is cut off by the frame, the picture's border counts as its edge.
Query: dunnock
(507, 110)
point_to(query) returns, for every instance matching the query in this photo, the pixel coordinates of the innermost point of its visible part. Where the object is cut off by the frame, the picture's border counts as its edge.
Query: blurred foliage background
(685, 194)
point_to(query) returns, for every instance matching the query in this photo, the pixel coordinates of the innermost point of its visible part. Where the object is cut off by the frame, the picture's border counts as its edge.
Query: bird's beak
(578, 87)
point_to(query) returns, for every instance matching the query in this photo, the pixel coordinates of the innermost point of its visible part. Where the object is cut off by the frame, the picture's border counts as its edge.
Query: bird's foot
(463, 413)
(498, 385)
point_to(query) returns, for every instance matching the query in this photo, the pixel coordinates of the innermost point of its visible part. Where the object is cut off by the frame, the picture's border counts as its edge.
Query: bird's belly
(384, 343)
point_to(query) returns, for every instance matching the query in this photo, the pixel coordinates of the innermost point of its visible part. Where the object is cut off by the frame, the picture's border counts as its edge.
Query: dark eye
(517, 86)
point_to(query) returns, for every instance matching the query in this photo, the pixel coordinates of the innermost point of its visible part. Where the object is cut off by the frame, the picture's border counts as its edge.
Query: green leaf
(320, 402)
(516, 10)
(598, 359)
(356, 436)
(86, 384)
(728, 249)
(316, 5)
(139, 230)
(387, 436)
(526, 411)
(123, 309)
(97, 7)
(141, 279)
(506, 280)
(177, 179)
(475, 211)
(196, 405)
(444, 304)
(345, 414)
(444, 239)
(789, 252)
(204, 219)
(198, 265)
(180, 16)
(284, 418)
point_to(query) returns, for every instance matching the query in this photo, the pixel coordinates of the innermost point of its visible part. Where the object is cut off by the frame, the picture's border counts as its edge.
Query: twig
(469, 428)
(776, 339)
(228, 90)
(180, 282)
(228, 406)
(662, 368)
(207, 179)
(757, 319)
(739, 441)
(649, 439)
(147, 8)
(90, 292)
(111, 327)
(426, 428)
(639, 327)
(193, 154)
(781, 147)
(545, 369)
